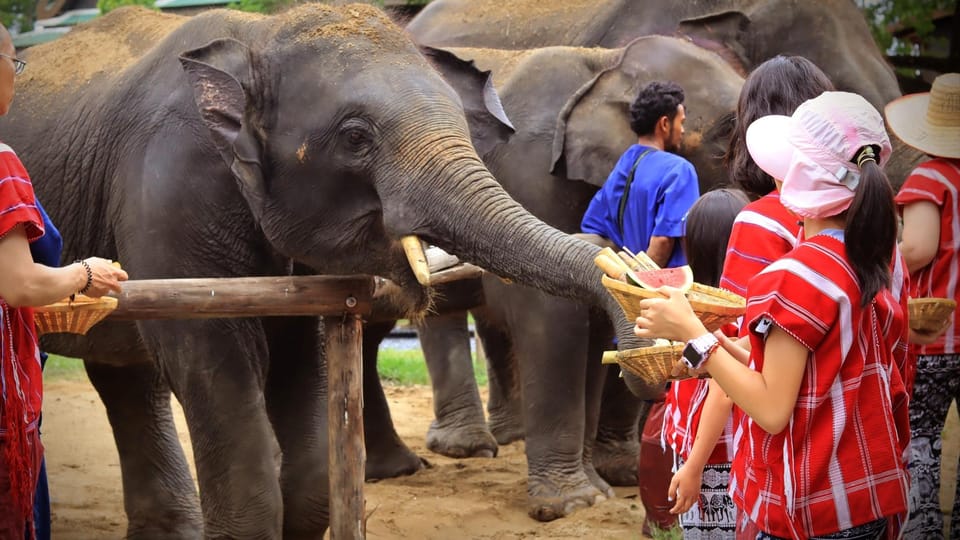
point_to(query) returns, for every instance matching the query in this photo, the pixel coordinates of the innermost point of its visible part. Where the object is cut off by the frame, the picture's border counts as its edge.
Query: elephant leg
(296, 399)
(618, 435)
(594, 383)
(505, 402)
(553, 353)
(159, 496)
(387, 455)
(217, 368)
(459, 429)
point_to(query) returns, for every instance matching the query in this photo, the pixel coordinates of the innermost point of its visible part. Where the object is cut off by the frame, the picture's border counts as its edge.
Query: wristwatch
(698, 349)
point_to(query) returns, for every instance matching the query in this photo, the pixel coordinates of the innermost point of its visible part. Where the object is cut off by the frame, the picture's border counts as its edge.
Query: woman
(826, 428)
(698, 429)
(930, 122)
(24, 283)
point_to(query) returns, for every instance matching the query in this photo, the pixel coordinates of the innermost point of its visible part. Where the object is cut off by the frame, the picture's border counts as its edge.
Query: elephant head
(343, 139)
(593, 128)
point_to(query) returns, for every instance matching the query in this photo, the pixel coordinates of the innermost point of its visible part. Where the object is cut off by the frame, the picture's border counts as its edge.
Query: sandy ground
(474, 498)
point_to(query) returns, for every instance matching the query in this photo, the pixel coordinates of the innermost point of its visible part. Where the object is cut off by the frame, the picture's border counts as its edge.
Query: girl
(826, 429)
(699, 485)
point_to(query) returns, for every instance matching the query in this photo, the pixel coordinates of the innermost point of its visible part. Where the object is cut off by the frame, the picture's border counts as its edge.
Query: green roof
(69, 18)
(36, 37)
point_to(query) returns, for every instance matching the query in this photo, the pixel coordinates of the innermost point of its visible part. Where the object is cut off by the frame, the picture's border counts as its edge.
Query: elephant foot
(171, 528)
(461, 441)
(506, 427)
(548, 500)
(616, 461)
(598, 482)
(397, 461)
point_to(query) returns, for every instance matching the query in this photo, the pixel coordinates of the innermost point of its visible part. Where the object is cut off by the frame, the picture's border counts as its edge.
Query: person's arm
(768, 396)
(685, 485)
(921, 234)
(660, 249)
(26, 283)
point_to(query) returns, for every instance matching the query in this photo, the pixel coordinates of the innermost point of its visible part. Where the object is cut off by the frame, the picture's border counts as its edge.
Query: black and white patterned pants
(937, 384)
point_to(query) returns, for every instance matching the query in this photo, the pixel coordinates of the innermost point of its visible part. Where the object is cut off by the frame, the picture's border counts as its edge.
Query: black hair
(708, 226)
(777, 86)
(870, 234)
(655, 100)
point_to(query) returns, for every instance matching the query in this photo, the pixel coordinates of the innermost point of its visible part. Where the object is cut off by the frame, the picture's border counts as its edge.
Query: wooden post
(345, 424)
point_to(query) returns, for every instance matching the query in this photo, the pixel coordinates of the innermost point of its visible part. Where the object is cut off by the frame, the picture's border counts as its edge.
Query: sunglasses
(18, 65)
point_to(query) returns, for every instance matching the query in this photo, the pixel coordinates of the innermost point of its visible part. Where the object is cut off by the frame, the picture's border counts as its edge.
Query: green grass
(403, 367)
(676, 533)
(62, 368)
(406, 367)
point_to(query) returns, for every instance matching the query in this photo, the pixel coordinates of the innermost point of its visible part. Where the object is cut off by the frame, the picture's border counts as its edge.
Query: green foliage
(882, 15)
(675, 533)
(62, 368)
(260, 6)
(17, 14)
(106, 6)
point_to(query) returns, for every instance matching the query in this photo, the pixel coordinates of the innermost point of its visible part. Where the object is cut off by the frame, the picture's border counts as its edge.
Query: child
(702, 443)
(826, 429)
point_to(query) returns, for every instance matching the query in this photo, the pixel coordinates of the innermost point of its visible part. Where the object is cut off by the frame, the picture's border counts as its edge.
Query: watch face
(691, 356)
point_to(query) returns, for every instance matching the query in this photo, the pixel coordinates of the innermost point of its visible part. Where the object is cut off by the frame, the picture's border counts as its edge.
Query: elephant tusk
(417, 259)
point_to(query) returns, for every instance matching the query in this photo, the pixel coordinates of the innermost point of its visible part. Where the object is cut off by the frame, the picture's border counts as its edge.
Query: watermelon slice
(680, 277)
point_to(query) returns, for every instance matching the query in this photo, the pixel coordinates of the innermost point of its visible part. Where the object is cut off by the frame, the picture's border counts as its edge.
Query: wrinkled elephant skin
(547, 349)
(831, 33)
(231, 144)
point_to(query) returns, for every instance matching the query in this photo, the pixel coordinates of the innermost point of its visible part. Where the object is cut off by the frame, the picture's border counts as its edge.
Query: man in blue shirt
(644, 200)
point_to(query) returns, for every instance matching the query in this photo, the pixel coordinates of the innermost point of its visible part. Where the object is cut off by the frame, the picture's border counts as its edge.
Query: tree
(17, 15)
(109, 5)
(886, 15)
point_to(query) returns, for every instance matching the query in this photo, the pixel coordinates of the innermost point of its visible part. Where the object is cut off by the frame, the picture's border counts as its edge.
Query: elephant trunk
(473, 217)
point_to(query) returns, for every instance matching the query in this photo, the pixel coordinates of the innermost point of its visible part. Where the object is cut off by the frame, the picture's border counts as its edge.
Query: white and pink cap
(812, 152)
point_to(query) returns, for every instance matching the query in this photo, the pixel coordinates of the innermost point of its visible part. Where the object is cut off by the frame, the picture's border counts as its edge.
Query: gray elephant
(831, 33)
(232, 144)
(569, 106)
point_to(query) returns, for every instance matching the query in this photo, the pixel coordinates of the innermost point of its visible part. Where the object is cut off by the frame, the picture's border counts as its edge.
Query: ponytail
(871, 227)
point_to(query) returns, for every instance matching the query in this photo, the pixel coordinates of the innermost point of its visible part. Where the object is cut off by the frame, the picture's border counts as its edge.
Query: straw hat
(930, 122)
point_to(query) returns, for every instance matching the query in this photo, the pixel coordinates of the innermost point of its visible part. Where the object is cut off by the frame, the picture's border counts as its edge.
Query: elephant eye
(355, 134)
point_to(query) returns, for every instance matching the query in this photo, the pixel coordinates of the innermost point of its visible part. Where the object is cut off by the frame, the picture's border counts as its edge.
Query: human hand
(739, 349)
(668, 318)
(106, 276)
(685, 488)
(918, 337)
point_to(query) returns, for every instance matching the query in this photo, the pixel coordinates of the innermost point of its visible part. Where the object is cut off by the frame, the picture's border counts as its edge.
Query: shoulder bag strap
(626, 190)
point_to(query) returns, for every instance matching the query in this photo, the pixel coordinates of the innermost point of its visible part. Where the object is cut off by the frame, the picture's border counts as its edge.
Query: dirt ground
(473, 498)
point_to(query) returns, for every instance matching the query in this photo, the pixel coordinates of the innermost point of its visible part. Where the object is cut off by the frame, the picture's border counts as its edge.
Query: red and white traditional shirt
(763, 232)
(841, 461)
(681, 417)
(21, 382)
(938, 181)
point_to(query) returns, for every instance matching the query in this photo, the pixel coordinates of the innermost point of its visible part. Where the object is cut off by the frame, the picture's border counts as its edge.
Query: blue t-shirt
(664, 188)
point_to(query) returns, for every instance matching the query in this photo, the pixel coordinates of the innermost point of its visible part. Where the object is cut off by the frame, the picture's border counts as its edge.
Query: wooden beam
(345, 424)
(212, 298)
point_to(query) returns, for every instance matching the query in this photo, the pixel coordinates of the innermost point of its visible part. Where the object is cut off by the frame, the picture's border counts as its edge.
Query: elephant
(831, 33)
(569, 106)
(233, 144)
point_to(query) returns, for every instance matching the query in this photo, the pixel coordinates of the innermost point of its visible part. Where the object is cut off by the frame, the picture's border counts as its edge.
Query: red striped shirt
(763, 232)
(938, 181)
(841, 462)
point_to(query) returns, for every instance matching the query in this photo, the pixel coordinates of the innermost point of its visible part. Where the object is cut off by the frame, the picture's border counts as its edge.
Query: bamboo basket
(654, 364)
(714, 307)
(75, 316)
(929, 314)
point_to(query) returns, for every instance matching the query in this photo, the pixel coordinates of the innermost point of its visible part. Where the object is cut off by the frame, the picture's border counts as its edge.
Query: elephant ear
(724, 33)
(593, 127)
(219, 74)
(488, 122)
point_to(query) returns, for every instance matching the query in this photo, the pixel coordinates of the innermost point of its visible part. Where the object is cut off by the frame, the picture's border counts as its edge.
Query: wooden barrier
(341, 301)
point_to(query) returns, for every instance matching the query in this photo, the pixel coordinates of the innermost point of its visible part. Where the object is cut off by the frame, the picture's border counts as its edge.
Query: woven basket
(714, 307)
(929, 314)
(654, 364)
(73, 317)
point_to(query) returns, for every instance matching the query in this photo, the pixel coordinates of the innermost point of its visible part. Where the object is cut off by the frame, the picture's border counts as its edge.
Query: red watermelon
(680, 277)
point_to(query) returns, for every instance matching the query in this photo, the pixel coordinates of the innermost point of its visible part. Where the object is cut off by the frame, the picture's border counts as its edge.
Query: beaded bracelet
(86, 266)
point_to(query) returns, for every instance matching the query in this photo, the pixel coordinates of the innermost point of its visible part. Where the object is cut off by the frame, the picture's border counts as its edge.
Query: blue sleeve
(680, 191)
(46, 250)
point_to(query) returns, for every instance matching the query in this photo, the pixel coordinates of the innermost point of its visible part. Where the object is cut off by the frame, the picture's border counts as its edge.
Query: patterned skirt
(713, 516)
